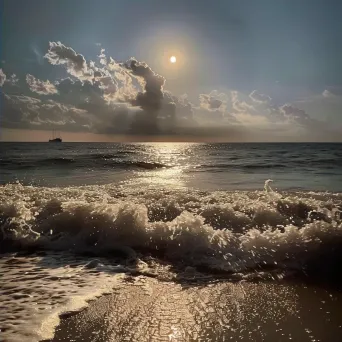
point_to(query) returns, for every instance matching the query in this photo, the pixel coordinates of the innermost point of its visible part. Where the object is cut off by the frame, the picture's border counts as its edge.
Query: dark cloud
(26, 112)
(40, 87)
(151, 99)
(161, 112)
(2, 78)
(91, 97)
(179, 107)
(185, 109)
(118, 121)
(293, 113)
(85, 95)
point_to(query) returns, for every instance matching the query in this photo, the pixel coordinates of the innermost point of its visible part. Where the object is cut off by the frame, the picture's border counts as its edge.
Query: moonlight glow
(173, 59)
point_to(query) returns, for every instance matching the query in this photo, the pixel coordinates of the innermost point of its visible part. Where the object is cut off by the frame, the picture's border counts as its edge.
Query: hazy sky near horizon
(246, 70)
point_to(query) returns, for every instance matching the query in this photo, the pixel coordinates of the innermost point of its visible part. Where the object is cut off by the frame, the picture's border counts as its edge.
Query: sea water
(76, 219)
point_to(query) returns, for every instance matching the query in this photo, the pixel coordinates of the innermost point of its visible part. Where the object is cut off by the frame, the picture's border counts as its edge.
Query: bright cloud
(75, 63)
(2, 78)
(40, 87)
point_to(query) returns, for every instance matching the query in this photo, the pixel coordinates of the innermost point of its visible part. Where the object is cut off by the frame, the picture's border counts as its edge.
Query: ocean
(170, 242)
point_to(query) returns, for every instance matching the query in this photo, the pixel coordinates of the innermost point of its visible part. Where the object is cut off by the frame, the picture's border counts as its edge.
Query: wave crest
(227, 231)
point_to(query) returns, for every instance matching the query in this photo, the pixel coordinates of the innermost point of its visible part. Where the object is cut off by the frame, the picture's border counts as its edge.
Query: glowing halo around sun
(173, 59)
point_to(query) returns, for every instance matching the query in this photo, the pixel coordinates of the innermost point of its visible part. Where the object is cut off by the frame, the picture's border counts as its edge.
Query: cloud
(325, 107)
(2, 78)
(211, 102)
(332, 93)
(106, 96)
(13, 80)
(108, 116)
(262, 119)
(40, 87)
(259, 98)
(151, 98)
(102, 56)
(97, 95)
(76, 65)
(183, 108)
(105, 78)
(327, 93)
(39, 56)
(108, 84)
(292, 113)
(239, 105)
(26, 112)
(76, 91)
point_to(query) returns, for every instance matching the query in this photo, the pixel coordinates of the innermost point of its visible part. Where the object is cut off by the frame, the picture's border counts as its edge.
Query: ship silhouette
(55, 138)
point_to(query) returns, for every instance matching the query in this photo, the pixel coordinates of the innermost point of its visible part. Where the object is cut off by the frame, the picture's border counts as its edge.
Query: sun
(173, 59)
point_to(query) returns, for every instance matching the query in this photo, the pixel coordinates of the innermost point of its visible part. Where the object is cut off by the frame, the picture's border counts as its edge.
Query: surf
(227, 231)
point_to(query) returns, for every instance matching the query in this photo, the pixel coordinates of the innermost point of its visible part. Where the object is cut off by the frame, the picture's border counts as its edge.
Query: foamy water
(36, 290)
(240, 234)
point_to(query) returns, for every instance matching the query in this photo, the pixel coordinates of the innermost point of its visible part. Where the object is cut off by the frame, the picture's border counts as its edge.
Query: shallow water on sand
(145, 309)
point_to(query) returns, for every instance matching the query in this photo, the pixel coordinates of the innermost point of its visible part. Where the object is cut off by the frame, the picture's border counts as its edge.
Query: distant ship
(55, 138)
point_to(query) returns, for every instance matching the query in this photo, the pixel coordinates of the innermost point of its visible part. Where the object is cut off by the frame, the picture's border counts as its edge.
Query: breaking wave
(219, 231)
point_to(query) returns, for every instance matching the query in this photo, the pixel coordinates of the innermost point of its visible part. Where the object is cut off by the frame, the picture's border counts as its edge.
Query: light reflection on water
(177, 160)
(172, 177)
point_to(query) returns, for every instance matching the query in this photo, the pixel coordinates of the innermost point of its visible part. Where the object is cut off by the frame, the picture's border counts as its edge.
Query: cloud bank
(110, 97)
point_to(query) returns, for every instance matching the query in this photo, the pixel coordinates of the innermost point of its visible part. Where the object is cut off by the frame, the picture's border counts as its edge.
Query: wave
(117, 154)
(233, 166)
(264, 166)
(36, 163)
(135, 164)
(326, 163)
(98, 161)
(149, 165)
(218, 231)
(56, 161)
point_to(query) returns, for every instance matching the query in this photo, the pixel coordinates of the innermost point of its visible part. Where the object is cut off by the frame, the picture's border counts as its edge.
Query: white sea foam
(232, 230)
(36, 290)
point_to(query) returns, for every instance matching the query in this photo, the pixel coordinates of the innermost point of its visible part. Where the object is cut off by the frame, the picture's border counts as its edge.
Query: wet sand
(146, 309)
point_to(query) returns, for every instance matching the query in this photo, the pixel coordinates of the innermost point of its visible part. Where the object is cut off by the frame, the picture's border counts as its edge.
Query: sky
(100, 70)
